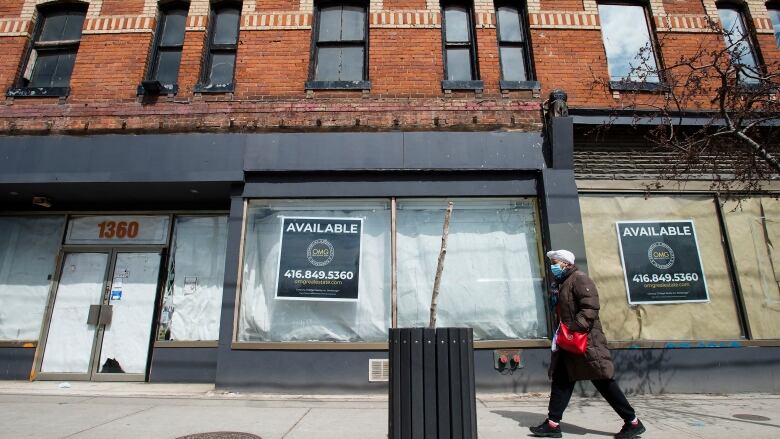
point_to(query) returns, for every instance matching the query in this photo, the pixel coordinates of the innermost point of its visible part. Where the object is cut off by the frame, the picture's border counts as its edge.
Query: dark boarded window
(220, 60)
(340, 47)
(169, 43)
(459, 53)
(513, 44)
(54, 47)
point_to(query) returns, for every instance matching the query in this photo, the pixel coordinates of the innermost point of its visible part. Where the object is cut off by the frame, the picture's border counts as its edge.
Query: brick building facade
(451, 105)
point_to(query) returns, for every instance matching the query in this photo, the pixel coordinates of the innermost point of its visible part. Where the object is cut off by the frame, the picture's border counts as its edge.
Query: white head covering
(561, 255)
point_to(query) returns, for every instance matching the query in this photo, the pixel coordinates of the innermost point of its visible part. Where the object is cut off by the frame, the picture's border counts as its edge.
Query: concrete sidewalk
(140, 410)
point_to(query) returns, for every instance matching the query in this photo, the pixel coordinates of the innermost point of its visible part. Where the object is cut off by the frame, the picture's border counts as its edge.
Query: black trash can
(432, 384)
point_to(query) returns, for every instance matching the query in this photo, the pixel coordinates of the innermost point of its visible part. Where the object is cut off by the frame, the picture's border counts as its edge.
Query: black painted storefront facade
(220, 171)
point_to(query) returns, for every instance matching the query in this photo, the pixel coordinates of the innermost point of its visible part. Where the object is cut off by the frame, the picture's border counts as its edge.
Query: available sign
(319, 259)
(661, 262)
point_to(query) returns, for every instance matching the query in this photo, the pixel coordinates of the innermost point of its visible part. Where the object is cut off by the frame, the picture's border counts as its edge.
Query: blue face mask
(557, 271)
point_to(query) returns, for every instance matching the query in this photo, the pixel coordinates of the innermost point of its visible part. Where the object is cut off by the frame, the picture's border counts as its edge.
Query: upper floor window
(513, 44)
(340, 43)
(220, 58)
(774, 15)
(53, 53)
(625, 30)
(738, 43)
(166, 53)
(460, 63)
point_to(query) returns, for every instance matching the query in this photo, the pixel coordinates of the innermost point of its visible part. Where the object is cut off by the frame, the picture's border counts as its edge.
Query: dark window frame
(315, 84)
(774, 6)
(154, 54)
(530, 81)
(204, 86)
(21, 87)
(627, 84)
(747, 22)
(474, 83)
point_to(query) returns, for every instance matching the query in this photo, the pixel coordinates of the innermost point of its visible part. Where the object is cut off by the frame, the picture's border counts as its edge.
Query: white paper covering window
(491, 280)
(28, 250)
(264, 318)
(196, 272)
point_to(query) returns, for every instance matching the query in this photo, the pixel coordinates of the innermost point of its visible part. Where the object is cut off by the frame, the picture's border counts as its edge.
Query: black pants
(561, 390)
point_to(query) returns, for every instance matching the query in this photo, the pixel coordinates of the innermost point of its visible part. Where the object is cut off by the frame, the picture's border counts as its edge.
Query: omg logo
(660, 255)
(320, 252)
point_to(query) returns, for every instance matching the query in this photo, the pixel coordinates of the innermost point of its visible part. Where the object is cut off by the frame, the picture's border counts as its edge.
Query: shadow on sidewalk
(528, 419)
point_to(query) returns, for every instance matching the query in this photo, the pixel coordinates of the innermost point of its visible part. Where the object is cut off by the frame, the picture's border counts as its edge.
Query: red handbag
(571, 341)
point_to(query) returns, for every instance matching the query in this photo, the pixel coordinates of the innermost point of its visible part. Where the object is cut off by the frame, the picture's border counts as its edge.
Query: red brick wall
(487, 55)
(272, 63)
(405, 4)
(191, 60)
(11, 8)
(573, 60)
(415, 71)
(684, 7)
(562, 5)
(12, 49)
(122, 7)
(277, 5)
(109, 67)
(405, 69)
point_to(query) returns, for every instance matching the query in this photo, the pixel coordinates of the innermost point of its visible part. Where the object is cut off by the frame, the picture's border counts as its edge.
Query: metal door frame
(93, 374)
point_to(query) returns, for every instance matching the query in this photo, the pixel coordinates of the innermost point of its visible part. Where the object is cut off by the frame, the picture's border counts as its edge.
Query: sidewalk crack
(296, 424)
(109, 421)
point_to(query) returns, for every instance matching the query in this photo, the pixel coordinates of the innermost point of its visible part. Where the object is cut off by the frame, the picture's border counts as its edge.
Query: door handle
(94, 314)
(106, 313)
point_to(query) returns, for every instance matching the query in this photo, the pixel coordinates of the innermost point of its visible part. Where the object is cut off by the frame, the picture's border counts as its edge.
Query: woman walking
(576, 303)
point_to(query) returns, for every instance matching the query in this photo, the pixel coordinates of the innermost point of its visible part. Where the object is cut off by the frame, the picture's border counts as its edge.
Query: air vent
(378, 370)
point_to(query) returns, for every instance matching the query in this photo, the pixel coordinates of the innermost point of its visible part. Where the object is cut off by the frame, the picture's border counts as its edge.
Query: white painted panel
(126, 339)
(70, 340)
(118, 229)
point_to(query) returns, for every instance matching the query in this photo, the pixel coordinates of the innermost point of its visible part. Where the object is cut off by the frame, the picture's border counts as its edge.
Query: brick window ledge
(213, 88)
(36, 92)
(337, 85)
(637, 86)
(462, 85)
(167, 89)
(519, 85)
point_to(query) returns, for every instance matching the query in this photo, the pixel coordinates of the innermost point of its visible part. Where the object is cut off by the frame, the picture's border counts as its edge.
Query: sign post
(661, 262)
(319, 259)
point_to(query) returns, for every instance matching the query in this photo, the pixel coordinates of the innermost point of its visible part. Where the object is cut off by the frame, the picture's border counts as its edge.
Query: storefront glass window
(327, 286)
(196, 271)
(491, 279)
(28, 249)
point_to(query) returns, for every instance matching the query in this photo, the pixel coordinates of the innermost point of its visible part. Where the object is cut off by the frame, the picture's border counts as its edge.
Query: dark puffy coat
(578, 301)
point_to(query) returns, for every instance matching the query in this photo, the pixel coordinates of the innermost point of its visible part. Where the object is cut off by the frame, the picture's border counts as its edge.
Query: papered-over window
(491, 279)
(28, 249)
(713, 320)
(754, 232)
(319, 311)
(196, 270)
(320, 270)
